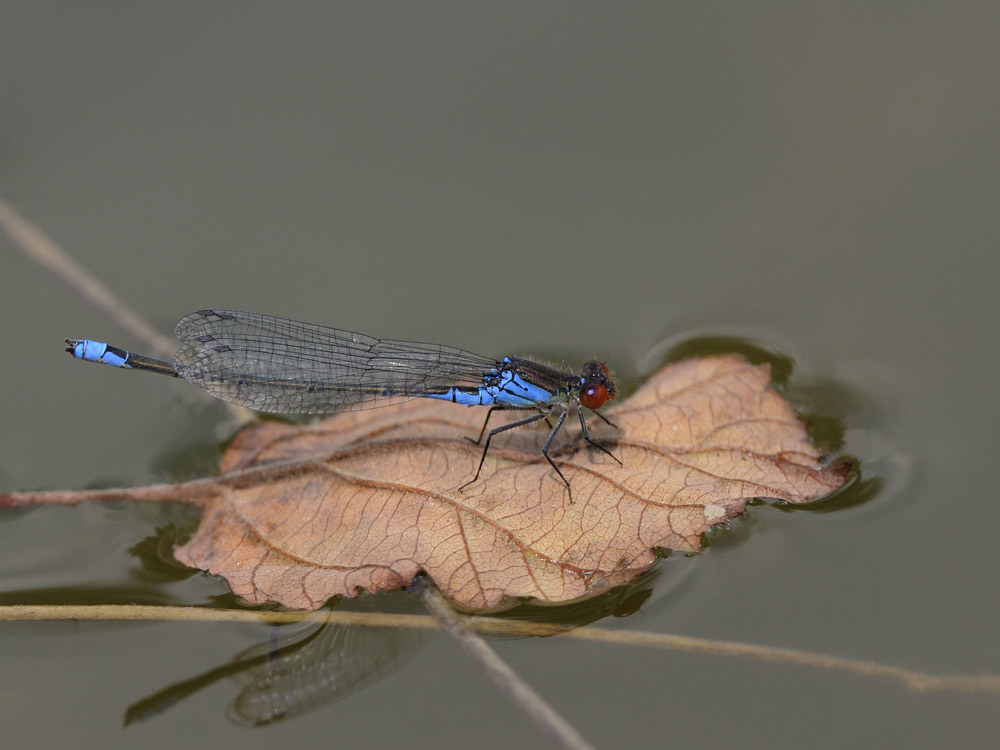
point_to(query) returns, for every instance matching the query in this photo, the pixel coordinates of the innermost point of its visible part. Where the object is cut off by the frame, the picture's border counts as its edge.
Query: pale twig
(31, 241)
(912, 679)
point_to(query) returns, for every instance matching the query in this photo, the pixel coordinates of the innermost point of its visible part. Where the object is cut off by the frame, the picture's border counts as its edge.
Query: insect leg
(486, 421)
(606, 420)
(497, 431)
(586, 434)
(548, 443)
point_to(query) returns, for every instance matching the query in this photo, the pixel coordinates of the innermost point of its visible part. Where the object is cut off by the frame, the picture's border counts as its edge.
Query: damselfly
(282, 366)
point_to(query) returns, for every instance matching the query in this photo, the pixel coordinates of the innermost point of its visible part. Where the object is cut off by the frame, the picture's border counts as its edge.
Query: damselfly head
(597, 387)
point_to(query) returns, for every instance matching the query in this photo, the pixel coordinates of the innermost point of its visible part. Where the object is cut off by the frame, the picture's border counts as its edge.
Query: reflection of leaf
(620, 601)
(296, 673)
(366, 500)
(156, 553)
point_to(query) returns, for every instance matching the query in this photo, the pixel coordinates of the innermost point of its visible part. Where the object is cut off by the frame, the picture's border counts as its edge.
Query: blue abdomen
(511, 390)
(97, 351)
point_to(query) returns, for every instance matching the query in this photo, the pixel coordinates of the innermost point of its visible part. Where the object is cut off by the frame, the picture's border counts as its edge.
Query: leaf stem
(195, 492)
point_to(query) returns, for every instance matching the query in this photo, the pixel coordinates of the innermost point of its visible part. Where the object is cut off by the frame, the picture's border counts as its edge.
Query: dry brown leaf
(365, 500)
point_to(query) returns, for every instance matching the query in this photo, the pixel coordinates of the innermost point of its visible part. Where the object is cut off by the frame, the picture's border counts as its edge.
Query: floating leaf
(363, 501)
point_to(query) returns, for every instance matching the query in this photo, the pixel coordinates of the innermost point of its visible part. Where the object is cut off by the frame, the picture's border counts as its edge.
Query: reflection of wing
(283, 366)
(310, 668)
(295, 673)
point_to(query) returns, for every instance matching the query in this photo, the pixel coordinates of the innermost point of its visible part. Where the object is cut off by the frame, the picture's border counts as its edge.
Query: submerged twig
(506, 678)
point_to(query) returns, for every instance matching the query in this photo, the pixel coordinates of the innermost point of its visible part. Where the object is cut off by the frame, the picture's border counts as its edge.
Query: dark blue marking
(98, 351)
(516, 391)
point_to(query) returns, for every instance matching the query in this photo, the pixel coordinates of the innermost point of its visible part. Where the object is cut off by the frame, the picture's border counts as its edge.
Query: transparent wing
(284, 366)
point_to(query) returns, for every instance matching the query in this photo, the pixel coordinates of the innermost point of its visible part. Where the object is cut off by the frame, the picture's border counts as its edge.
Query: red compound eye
(594, 396)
